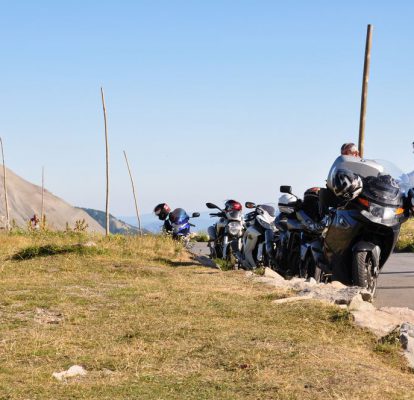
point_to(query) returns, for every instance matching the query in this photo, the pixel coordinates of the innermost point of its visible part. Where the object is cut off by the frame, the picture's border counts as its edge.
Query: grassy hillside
(147, 323)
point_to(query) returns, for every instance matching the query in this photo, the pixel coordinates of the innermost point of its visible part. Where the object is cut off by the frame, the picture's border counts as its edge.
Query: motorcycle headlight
(382, 214)
(234, 228)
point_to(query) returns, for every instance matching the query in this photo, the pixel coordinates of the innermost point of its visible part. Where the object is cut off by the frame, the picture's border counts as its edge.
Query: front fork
(234, 244)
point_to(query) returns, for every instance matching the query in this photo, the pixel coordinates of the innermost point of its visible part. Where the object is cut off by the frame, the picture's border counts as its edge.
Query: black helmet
(162, 210)
(346, 184)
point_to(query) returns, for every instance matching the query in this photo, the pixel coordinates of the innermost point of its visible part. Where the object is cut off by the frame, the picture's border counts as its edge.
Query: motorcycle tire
(308, 268)
(231, 259)
(362, 271)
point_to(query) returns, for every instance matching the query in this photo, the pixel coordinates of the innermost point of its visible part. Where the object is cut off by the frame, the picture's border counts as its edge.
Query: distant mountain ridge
(115, 224)
(25, 200)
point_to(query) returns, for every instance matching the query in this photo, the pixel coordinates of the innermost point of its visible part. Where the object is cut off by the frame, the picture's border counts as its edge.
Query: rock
(358, 304)
(337, 285)
(404, 314)
(89, 244)
(366, 295)
(269, 273)
(378, 322)
(291, 299)
(45, 316)
(74, 370)
(311, 281)
(407, 342)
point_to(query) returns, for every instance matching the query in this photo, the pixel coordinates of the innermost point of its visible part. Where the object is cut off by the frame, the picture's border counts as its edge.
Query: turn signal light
(364, 202)
(399, 211)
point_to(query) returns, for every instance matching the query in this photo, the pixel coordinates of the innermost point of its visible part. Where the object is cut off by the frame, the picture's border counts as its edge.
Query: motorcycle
(258, 239)
(226, 235)
(180, 224)
(299, 226)
(360, 234)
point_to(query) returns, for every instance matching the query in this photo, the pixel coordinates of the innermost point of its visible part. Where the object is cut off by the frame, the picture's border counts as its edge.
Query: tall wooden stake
(42, 213)
(5, 188)
(107, 162)
(365, 90)
(133, 192)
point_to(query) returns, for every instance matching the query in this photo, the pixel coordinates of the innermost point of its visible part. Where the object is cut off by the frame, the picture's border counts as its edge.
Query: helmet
(232, 205)
(311, 203)
(287, 203)
(346, 184)
(162, 210)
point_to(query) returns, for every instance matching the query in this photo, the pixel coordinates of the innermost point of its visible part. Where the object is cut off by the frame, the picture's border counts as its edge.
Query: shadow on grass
(172, 263)
(51, 250)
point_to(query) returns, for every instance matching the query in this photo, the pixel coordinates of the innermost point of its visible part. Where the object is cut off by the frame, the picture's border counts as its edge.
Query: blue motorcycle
(180, 224)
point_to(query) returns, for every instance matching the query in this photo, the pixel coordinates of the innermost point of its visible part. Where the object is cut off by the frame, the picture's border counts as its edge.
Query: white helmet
(287, 203)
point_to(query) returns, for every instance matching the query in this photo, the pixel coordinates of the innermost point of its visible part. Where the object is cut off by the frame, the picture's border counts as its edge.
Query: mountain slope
(115, 224)
(25, 199)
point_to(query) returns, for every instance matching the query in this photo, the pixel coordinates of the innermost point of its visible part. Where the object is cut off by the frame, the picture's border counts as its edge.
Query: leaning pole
(107, 165)
(364, 94)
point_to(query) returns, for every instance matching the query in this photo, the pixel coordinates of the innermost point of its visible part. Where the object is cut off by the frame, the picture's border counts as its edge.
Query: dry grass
(147, 323)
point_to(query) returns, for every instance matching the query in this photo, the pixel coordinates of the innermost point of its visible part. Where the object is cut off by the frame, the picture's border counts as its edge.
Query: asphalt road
(396, 282)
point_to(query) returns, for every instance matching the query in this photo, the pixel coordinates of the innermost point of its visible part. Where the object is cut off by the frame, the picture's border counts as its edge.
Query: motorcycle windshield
(234, 215)
(396, 173)
(270, 209)
(179, 216)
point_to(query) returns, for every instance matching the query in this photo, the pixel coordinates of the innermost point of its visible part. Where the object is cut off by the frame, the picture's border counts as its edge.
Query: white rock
(311, 281)
(378, 322)
(291, 299)
(337, 285)
(74, 370)
(273, 274)
(89, 244)
(358, 304)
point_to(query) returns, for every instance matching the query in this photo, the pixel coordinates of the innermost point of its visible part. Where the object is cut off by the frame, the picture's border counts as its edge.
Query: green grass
(147, 323)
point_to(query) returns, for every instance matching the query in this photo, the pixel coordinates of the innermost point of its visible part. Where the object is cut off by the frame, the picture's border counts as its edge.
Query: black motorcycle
(298, 226)
(360, 234)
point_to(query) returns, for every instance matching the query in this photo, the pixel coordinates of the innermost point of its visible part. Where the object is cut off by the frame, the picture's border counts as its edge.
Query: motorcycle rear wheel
(363, 271)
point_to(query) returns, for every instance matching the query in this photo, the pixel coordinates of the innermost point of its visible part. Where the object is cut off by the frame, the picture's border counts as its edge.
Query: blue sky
(211, 100)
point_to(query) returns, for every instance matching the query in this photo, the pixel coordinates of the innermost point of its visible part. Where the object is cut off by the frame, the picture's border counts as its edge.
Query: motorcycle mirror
(211, 205)
(286, 189)
(195, 215)
(249, 204)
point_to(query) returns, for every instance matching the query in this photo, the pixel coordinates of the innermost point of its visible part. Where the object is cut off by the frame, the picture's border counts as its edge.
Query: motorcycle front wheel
(231, 258)
(363, 271)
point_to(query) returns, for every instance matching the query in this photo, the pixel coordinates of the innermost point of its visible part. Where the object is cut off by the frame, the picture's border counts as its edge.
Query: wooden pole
(5, 188)
(107, 164)
(42, 213)
(364, 95)
(133, 192)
